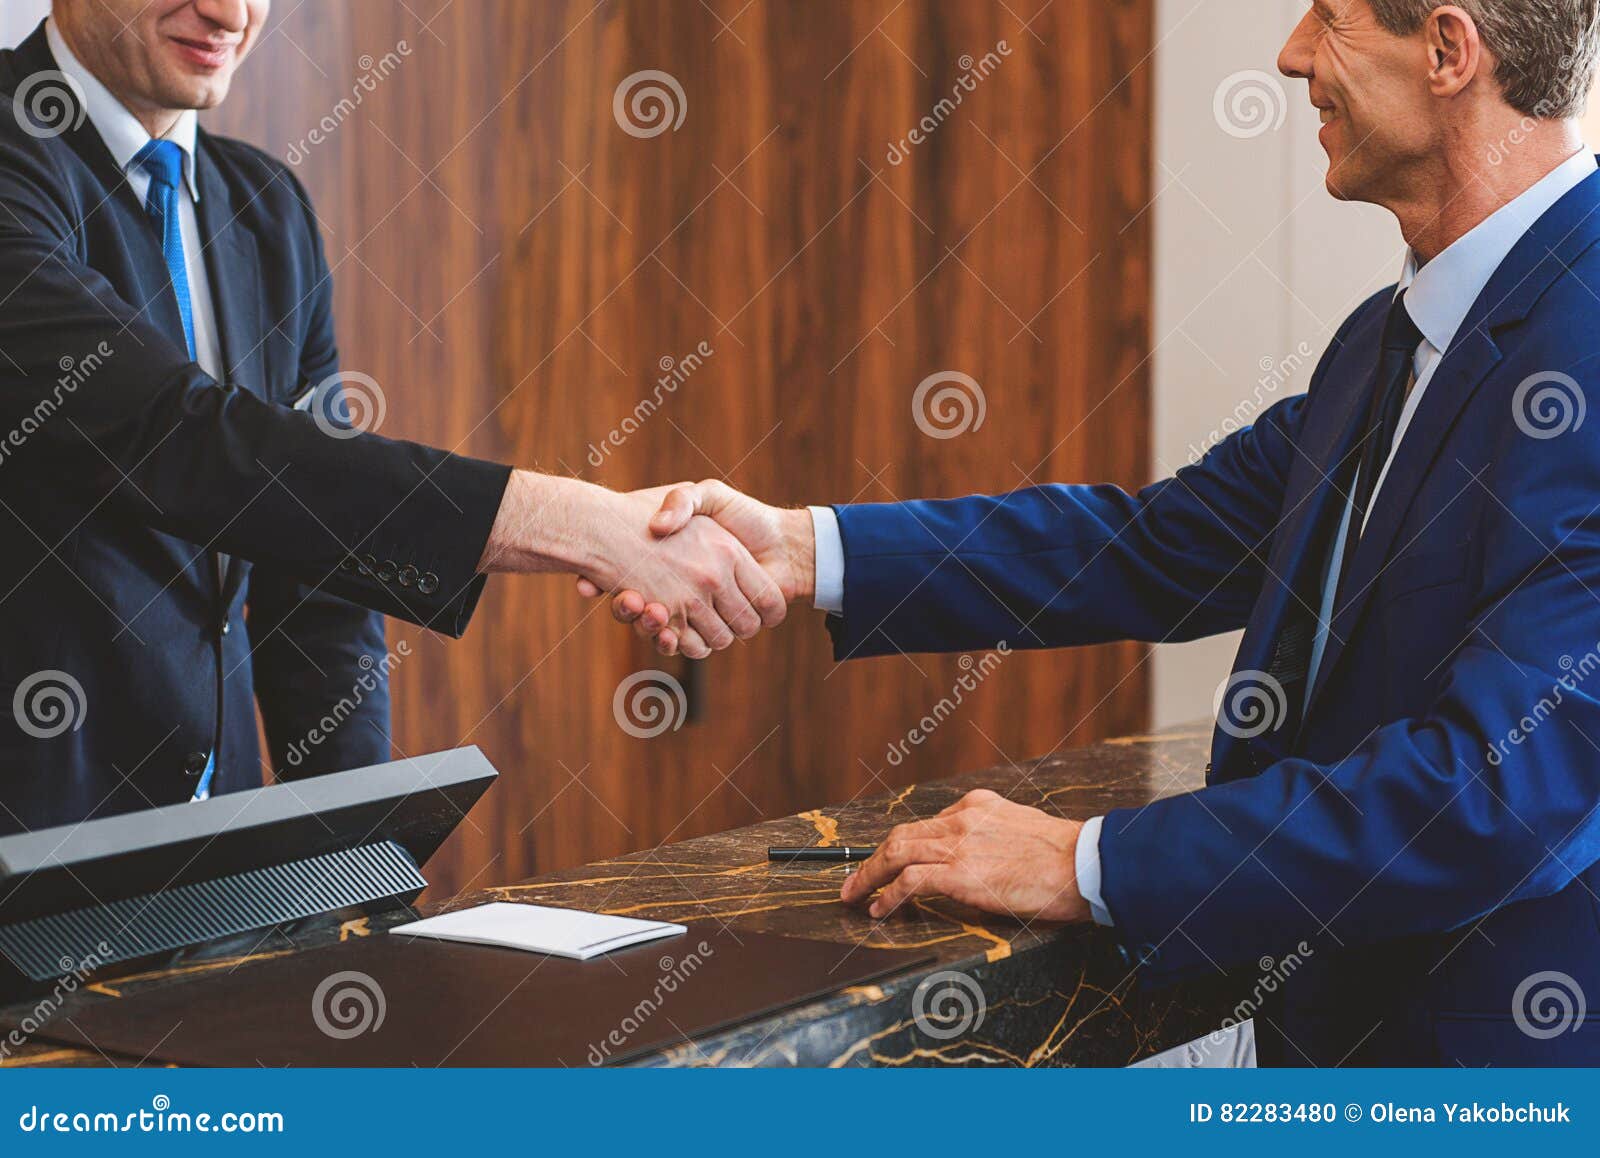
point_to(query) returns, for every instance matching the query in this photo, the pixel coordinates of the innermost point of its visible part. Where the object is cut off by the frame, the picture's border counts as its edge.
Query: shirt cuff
(829, 585)
(1088, 867)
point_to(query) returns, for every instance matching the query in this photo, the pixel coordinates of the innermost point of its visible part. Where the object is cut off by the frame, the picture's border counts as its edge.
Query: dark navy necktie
(1395, 366)
(163, 161)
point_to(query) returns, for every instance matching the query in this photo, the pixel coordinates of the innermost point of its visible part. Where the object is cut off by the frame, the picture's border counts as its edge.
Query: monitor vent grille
(86, 939)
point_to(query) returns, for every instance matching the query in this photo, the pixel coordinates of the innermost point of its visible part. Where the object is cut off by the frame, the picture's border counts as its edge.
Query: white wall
(1252, 258)
(18, 18)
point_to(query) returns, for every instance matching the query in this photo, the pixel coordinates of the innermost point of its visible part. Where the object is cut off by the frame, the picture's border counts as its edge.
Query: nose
(229, 15)
(1296, 60)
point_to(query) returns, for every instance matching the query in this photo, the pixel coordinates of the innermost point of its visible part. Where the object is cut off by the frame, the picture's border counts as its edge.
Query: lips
(203, 53)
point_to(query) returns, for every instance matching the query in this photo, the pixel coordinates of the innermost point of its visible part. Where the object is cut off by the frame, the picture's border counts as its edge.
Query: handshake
(693, 566)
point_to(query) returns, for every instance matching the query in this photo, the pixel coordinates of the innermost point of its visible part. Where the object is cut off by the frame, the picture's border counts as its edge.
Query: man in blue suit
(1406, 772)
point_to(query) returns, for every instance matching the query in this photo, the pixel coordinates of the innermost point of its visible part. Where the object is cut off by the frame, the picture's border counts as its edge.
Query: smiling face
(162, 55)
(1371, 89)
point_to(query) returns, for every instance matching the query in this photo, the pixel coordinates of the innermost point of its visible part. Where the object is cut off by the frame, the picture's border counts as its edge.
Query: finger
(587, 588)
(714, 630)
(907, 845)
(920, 880)
(762, 592)
(976, 797)
(681, 504)
(667, 642)
(736, 609)
(692, 644)
(627, 607)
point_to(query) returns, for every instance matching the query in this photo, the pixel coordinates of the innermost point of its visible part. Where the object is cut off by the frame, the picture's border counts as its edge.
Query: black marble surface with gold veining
(1048, 995)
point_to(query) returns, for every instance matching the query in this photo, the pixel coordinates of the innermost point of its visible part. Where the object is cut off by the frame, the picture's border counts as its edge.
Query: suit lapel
(1543, 255)
(233, 269)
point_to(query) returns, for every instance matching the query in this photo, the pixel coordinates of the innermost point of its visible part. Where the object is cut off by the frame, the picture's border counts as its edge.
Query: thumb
(681, 504)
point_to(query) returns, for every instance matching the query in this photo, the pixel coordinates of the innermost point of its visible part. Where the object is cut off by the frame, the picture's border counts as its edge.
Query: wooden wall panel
(512, 268)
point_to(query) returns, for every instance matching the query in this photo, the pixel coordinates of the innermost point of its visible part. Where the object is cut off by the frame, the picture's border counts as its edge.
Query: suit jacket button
(195, 763)
(226, 627)
(407, 576)
(349, 563)
(369, 564)
(386, 571)
(429, 583)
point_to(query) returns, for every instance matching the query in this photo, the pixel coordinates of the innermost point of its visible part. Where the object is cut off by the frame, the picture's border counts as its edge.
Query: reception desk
(1035, 995)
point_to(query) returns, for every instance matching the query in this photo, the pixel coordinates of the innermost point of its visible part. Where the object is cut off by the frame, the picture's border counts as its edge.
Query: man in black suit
(190, 520)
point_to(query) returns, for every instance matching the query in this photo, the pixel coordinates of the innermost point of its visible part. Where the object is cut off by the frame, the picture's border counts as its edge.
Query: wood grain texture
(513, 267)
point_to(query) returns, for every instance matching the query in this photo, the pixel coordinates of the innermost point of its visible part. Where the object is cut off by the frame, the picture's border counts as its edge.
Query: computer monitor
(121, 888)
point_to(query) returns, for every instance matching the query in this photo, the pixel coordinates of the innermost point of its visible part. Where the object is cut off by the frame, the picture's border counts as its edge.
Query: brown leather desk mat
(398, 1001)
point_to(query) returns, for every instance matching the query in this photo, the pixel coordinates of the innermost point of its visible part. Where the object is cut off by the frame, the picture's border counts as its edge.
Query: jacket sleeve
(1487, 799)
(321, 664)
(1056, 566)
(137, 425)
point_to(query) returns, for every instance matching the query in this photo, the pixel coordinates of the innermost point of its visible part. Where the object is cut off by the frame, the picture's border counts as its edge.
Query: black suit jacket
(124, 468)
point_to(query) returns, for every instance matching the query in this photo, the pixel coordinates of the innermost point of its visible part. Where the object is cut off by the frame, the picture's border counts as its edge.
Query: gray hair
(1545, 50)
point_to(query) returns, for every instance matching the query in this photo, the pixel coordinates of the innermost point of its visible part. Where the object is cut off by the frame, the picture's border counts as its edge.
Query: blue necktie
(163, 160)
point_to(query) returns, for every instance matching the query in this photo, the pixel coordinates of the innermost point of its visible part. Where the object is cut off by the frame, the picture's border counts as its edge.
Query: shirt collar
(1440, 294)
(118, 128)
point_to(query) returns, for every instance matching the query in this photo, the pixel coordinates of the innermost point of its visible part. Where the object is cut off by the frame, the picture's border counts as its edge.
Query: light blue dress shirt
(1438, 298)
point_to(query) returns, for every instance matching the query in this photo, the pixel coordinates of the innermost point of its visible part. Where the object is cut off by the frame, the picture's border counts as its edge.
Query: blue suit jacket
(123, 467)
(1430, 829)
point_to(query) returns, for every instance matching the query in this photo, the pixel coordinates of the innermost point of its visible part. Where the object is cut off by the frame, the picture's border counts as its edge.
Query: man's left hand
(983, 851)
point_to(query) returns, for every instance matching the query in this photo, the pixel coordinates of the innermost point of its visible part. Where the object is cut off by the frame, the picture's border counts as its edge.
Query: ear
(1455, 50)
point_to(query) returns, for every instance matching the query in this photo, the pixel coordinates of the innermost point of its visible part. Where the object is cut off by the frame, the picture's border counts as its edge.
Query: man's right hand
(781, 541)
(705, 588)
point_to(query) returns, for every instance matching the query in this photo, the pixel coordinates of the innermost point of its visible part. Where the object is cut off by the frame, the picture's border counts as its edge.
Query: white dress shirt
(124, 137)
(1439, 295)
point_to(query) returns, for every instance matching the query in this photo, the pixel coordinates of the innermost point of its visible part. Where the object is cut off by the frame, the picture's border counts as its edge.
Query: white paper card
(539, 929)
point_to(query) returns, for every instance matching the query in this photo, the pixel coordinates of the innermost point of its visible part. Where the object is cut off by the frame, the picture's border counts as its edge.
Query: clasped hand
(745, 563)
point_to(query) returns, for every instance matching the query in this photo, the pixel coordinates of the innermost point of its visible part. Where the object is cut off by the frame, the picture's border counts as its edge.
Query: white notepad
(538, 929)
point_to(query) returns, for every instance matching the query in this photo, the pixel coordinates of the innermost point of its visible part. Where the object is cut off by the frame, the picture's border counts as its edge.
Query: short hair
(1545, 50)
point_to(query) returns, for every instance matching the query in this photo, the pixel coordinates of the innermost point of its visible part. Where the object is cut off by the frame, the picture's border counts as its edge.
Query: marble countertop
(998, 992)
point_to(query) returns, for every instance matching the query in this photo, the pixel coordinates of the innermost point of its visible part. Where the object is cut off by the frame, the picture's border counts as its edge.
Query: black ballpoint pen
(837, 855)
